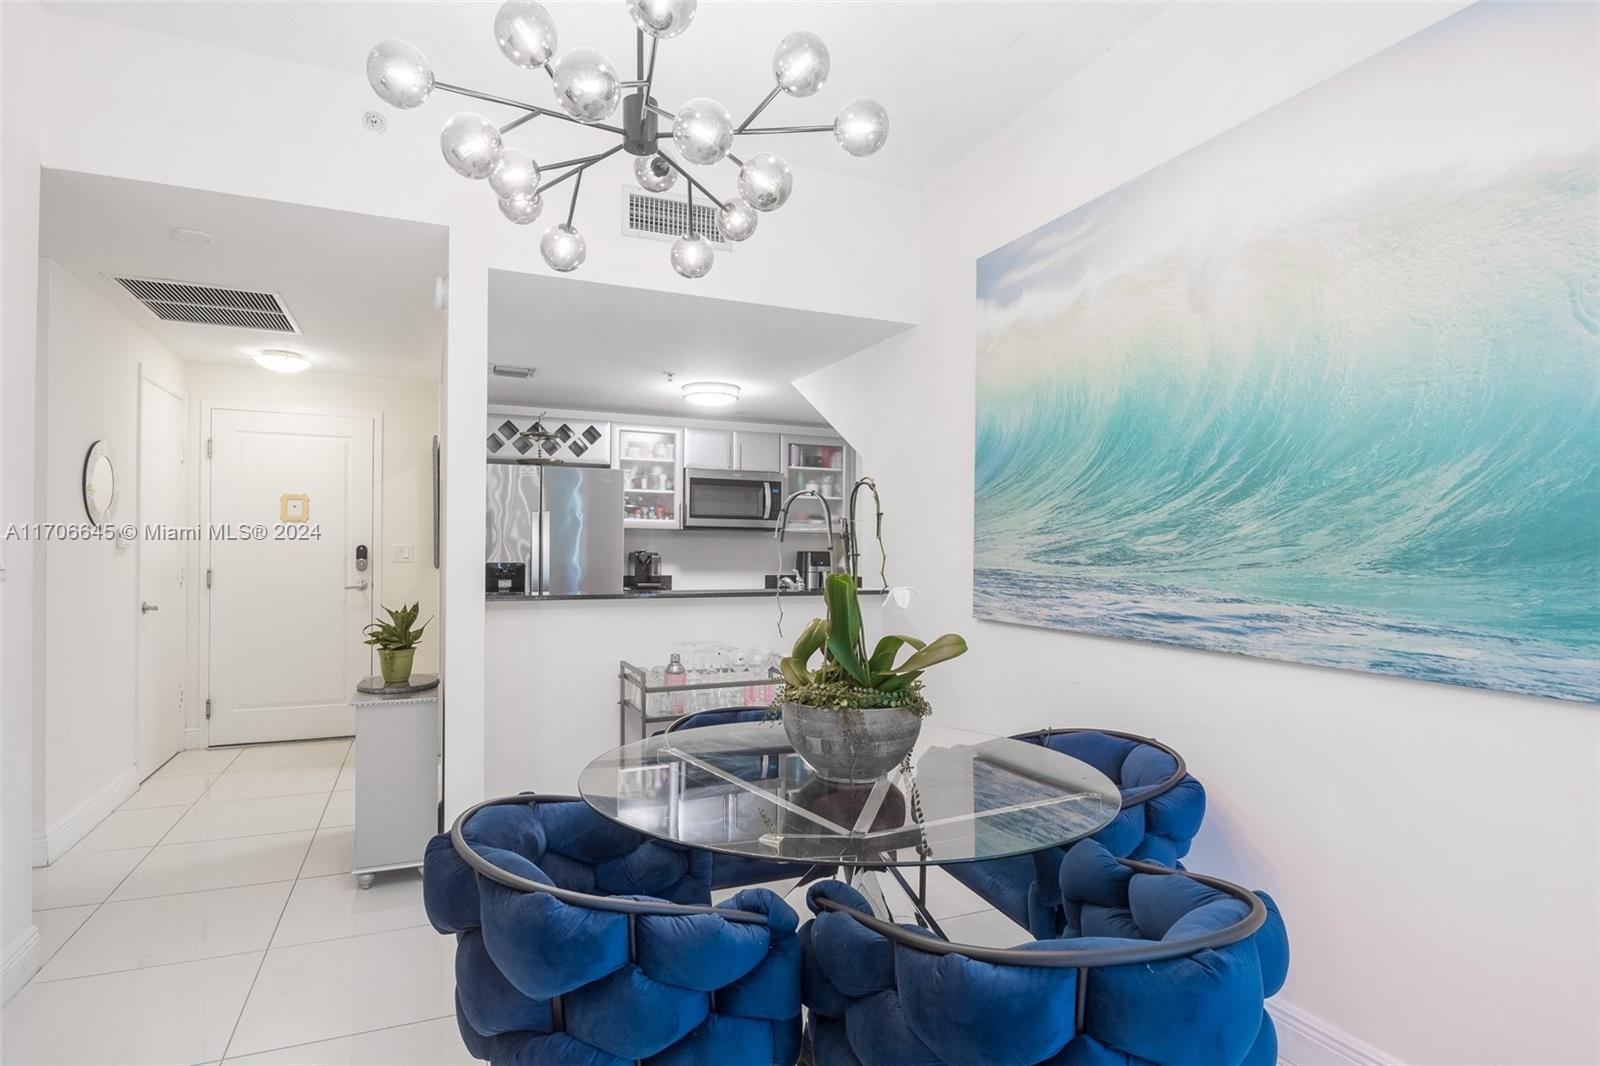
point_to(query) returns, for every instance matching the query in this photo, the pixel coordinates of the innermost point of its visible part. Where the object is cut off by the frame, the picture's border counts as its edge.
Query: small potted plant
(856, 715)
(396, 642)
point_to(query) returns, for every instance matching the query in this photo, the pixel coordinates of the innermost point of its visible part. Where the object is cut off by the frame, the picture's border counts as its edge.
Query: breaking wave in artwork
(1367, 437)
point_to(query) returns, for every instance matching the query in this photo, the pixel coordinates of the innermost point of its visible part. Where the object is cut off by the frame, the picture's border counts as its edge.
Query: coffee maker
(813, 566)
(646, 574)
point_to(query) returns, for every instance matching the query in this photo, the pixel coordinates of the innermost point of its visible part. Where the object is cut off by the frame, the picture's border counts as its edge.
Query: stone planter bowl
(850, 747)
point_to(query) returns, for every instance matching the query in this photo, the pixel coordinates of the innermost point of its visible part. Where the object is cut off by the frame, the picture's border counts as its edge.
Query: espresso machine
(646, 575)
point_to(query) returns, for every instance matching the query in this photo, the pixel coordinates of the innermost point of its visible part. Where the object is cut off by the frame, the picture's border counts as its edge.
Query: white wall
(91, 357)
(21, 67)
(409, 409)
(552, 684)
(1433, 848)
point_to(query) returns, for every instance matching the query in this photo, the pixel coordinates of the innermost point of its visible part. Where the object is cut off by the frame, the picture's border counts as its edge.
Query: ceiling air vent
(178, 301)
(665, 218)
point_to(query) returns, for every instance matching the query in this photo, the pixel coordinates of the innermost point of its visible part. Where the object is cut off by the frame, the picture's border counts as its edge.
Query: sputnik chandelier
(589, 90)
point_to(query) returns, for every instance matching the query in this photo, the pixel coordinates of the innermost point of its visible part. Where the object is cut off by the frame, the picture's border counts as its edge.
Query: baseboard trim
(53, 842)
(1307, 1040)
(19, 963)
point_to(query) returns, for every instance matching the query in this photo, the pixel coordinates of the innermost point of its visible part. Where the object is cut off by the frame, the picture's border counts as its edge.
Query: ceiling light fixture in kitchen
(281, 360)
(589, 90)
(711, 393)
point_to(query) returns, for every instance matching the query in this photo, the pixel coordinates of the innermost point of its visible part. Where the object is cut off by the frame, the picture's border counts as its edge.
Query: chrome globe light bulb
(800, 64)
(471, 145)
(654, 174)
(521, 209)
(586, 84)
(703, 131)
(765, 182)
(515, 176)
(662, 19)
(399, 74)
(711, 393)
(692, 256)
(525, 33)
(861, 126)
(563, 248)
(737, 219)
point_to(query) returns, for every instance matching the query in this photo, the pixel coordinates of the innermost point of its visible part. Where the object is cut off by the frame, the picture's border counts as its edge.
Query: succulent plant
(396, 634)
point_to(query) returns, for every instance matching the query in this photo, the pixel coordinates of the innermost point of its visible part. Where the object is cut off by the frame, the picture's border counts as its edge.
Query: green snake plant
(848, 677)
(396, 634)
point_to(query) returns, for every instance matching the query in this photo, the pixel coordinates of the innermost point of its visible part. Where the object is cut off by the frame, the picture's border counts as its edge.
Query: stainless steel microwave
(732, 499)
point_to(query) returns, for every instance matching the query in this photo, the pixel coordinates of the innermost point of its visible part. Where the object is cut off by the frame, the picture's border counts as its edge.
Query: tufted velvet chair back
(877, 1000)
(1162, 807)
(580, 940)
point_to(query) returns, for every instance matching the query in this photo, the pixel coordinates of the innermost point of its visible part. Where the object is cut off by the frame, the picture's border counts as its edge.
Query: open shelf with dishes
(649, 459)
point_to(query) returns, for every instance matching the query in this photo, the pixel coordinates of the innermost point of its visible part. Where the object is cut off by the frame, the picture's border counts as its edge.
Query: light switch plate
(401, 553)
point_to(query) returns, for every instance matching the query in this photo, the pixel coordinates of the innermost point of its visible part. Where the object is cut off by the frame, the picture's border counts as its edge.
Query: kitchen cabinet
(757, 451)
(815, 462)
(650, 458)
(708, 449)
(732, 449)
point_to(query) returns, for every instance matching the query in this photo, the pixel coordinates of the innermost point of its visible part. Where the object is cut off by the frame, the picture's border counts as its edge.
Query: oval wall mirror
(99, 484)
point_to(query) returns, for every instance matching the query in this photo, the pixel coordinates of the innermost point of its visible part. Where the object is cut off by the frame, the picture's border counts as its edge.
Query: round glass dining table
(741, 789)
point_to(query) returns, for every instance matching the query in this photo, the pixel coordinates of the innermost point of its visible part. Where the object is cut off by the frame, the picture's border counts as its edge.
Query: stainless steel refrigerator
(564, 523)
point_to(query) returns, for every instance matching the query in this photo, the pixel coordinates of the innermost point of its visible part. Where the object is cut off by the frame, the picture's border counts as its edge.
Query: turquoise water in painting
(1364, 436)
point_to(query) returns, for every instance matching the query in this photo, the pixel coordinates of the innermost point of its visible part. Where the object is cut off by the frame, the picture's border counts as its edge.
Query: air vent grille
(179, 301)
(665, 218)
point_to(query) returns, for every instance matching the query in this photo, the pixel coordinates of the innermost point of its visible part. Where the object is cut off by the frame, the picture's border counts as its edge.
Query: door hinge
(208, 708)
(208, 577)
(210, 447)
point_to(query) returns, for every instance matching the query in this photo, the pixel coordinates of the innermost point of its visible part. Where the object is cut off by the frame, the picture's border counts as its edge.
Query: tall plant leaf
(844, 627)
(937, 651)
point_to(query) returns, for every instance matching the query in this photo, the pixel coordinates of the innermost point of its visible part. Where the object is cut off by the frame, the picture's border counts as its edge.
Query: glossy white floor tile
(160, 1015)
(431, 1043)
(188, 763)
(333, 851)
(139, 827)
(341, 810)
(177, 791)
(167, 929)
(236, 784)
(277, 756)
(248, 818)
(314, 992)
(208, 864)
(76, 879)
(58, 925)
(324, 908)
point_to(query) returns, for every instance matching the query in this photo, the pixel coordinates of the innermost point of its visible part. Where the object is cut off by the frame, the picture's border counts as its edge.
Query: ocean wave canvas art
(1327, 387)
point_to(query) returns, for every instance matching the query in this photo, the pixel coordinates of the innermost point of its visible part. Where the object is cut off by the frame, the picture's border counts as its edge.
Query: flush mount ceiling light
(589, 90)
(184, 235)
(711, 393)
(281, 360)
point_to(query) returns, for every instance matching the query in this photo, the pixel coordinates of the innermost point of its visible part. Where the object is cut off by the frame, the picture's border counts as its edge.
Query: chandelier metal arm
(520, 105)
(522, 120)
(789, 129)
(648, 73)
(707, 193)
(579, 169)
(762, 106)
(663, 112)
(572, 208)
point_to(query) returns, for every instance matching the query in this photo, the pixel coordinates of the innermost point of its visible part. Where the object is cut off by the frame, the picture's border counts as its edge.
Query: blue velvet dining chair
(580, 940)
(1155, 965)
(1162, 807)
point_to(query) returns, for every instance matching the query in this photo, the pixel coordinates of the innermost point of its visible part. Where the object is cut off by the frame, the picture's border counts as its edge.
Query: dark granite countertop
(673, 594)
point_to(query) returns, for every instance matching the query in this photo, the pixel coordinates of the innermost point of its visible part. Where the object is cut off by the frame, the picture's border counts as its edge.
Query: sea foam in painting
(1326, 388)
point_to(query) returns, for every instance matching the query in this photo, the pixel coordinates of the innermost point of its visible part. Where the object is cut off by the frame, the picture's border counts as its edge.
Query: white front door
(163, 602)
(291, 509)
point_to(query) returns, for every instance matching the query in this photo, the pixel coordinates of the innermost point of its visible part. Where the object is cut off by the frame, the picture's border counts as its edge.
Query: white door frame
(375, 555)
(186, 692)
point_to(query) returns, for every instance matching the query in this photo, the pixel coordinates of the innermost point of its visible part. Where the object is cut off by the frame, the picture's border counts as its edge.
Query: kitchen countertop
(671, 594)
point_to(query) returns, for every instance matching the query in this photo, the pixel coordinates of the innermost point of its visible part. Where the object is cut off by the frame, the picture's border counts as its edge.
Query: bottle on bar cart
(677, 676)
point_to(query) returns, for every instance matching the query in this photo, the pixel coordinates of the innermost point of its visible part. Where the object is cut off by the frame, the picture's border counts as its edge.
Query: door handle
(359, 586)
(146, 608)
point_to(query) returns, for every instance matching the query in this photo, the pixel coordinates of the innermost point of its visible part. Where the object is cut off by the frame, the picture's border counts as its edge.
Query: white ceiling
(361, 288)
(606, 347)
(949, 73)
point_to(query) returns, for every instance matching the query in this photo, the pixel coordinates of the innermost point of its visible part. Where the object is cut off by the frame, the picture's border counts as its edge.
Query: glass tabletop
(741, 789)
